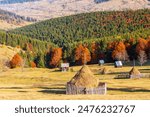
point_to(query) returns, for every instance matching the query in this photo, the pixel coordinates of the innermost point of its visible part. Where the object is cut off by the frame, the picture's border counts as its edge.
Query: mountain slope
(87, 26)
(6, 54)
(15, 1)
(46, 9)
(9, 20)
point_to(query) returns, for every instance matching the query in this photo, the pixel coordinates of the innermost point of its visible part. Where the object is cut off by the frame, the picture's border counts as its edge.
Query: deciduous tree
(120, 52)
(56, 56)
(142, 57)
(82, 54)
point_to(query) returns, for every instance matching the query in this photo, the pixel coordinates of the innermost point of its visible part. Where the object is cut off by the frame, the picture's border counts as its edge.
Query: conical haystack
(105, 71)
(134, 71)
(84, 78)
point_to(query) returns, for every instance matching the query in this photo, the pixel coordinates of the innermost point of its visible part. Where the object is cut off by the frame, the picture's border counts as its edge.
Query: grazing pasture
(50, 84)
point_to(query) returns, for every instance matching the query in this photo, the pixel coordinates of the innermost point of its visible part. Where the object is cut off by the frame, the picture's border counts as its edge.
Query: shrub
(16, 61)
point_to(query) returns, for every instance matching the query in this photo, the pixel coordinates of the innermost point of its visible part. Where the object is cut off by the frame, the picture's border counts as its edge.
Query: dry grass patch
(49, 84)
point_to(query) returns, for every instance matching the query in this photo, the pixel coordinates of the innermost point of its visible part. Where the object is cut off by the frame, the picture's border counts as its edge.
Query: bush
(16, 61)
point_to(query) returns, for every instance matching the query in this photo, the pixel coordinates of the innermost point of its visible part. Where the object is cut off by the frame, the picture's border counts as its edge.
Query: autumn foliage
(142, 45)
(56, 56)
(142, 50)
(82, 54)
(120, 52)
(33, 64)
(112, 45)
(16, 61)
(28, 47)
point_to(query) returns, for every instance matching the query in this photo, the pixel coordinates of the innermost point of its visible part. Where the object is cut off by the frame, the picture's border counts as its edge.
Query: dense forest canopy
(87, 25)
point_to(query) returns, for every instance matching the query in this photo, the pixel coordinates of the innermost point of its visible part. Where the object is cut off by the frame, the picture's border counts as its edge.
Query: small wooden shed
(101, 62)
(84, 82)
(118, 64)
(64, 67)
(135, 73)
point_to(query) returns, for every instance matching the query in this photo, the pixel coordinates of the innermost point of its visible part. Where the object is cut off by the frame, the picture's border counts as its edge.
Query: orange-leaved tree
(142, 45)
(82, 54)
(56, 57)
(16, 61)
(141, 49)
(120, 53)
(33, 64)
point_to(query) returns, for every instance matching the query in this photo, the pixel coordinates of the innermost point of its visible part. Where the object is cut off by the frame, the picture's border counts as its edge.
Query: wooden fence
(71, 89)
(120, 76)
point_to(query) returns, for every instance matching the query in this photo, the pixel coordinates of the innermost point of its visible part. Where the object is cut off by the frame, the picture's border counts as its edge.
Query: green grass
(50, 84)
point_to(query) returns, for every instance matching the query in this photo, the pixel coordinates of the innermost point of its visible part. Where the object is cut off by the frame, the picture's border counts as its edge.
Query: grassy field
(47, 84)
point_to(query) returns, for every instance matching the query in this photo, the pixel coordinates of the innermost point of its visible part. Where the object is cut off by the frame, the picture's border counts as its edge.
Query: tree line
(122, 50)
(38, 53)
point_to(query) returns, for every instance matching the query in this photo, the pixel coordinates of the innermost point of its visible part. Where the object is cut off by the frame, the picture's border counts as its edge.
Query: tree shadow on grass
(23, 91)
(56, 70)
(11, 88)
(54, 91)
(144, 70)
(129, 90)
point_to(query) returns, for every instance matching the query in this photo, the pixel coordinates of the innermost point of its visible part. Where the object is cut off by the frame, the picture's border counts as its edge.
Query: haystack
(105, 71)
(84, 78)
(134, 73)
(84, 82)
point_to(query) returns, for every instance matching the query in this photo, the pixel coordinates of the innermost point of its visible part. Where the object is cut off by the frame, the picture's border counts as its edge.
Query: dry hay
(105, 70)
(84, 78)
(134, 71)
(95, 71)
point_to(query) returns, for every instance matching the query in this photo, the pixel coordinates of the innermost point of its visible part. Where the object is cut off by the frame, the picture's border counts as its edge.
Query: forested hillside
(118, 35)
(33, 49)
(89, 25)
(9, 20)
(47, 9)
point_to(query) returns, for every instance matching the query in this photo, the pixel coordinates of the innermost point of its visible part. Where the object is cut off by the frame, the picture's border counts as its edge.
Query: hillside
(15, 1)
(87, 26)
(9, 20)
(46, 9)
(95, 33)
(33, 49)
(6, 54)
